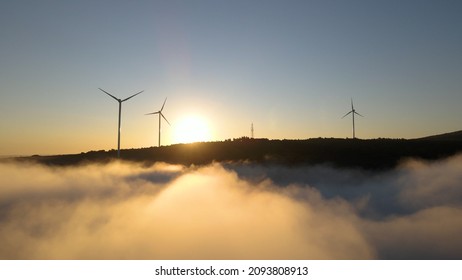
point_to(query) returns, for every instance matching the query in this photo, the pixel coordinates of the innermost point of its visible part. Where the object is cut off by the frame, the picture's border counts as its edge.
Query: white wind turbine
(160, 115)
(353, 112)
(120, 112)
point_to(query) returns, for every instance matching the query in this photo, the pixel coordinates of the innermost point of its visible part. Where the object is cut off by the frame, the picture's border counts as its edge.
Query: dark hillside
(451, 136)
(368, 154)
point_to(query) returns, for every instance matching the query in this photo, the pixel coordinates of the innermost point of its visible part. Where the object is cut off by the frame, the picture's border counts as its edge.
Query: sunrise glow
(191, 129)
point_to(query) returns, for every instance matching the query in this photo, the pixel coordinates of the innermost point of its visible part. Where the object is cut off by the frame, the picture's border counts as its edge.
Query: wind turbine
(160, 115)
(353, 112)
(120, 112)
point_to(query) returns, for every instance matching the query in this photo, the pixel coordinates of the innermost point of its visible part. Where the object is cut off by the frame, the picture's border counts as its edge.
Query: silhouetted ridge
(352, 153)
(451, 136)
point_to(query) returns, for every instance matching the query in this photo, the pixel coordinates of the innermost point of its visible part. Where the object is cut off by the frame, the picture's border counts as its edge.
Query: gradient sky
(290, 67)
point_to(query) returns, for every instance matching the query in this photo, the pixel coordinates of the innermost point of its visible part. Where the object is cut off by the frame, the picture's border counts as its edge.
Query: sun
(191, 129)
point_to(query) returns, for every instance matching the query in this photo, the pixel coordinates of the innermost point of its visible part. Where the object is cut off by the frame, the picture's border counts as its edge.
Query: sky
(289, 67)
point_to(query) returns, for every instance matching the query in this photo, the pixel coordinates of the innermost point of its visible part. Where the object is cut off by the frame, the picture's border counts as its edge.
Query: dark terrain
(354, 153)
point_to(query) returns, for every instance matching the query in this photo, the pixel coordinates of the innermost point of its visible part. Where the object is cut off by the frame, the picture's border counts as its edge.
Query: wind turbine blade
(163, 104)
(352, 108)
(153, 113)
(347, 114)
(109, 94)
(359, 114)
(132, 96)
(165, 118)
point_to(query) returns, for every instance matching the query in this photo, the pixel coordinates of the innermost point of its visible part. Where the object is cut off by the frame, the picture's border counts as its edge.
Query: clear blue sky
(290, 67)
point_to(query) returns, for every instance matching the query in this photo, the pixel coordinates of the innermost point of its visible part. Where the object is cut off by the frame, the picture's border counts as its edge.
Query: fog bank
(230, 211)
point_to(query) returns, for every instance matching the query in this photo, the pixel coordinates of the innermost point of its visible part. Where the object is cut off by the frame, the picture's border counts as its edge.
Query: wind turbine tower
(251, 130)
(120, 113)
(160, 115)
(353, 112)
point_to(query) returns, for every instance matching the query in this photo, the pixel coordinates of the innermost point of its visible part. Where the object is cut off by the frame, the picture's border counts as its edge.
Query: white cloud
(127, 211)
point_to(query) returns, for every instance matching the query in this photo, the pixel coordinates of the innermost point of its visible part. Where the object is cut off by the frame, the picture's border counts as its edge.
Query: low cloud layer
(230, 211)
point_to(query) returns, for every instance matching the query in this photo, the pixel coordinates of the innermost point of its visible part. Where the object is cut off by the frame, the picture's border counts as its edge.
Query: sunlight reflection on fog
(230, 211)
